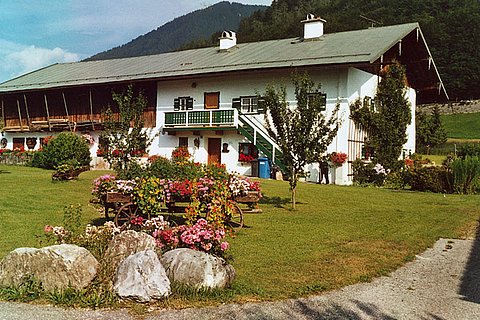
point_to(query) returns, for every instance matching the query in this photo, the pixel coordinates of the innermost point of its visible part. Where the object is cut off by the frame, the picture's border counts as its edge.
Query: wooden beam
(19, 115)
(91, 110)
(66, 111)
(28, 113)
(3, 115)
(48, 113)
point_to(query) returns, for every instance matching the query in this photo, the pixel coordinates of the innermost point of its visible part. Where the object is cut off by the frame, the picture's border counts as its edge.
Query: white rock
(141, 277)
(55, 266)
(197, 268)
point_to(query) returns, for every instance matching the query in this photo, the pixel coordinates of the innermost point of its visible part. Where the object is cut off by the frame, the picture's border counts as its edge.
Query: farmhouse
(209, 99)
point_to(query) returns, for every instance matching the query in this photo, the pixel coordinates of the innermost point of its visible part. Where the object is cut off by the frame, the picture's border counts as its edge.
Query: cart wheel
(125, 214)
(236, 221)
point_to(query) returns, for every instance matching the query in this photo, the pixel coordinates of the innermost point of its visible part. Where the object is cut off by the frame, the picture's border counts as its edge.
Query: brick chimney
(228, 40)
(312, 27)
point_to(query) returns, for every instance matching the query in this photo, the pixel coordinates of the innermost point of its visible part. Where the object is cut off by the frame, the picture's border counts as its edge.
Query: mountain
(183, 31)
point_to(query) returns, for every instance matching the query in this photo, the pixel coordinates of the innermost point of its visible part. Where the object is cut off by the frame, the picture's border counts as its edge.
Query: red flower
(338, 158)
(245, 157)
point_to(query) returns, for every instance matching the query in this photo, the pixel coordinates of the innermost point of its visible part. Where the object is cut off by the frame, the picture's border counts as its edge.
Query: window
(321, 97)
(247, 152)
(183, 103)
(19, 144)
(248, 104)
(183, 142)
(212, 100)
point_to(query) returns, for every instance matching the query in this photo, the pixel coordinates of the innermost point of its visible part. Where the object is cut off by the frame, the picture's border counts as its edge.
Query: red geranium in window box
(245, 157)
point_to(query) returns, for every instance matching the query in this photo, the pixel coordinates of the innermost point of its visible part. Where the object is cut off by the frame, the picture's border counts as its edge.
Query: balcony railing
(202, 118)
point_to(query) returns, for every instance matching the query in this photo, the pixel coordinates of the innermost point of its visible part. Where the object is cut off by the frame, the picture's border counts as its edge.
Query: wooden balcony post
(66, 111)
(3, 115)
(48, 113)
(28, 113)
(91, 110)
(19, 115)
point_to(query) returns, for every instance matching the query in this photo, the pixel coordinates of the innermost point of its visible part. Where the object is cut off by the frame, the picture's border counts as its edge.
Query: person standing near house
(323, 172)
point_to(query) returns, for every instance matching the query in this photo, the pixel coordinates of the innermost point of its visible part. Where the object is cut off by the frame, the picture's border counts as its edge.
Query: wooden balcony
(195, 119)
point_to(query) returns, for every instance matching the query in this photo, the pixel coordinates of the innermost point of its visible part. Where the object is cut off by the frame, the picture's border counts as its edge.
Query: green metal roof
(359, 46)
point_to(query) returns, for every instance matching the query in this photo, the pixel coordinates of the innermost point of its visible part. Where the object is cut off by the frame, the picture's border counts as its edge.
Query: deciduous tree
(124, 136)
(303, 132)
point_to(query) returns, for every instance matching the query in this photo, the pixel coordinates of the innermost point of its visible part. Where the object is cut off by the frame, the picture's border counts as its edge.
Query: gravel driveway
(442, 283)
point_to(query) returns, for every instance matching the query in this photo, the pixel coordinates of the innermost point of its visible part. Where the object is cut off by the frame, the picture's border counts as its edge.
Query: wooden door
(214, 150)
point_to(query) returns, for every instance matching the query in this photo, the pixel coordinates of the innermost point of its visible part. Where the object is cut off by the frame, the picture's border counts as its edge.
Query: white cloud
(16, 59)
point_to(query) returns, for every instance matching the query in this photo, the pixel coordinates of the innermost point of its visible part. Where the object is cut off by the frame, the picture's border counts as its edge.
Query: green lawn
(338, 235)
(462, 125)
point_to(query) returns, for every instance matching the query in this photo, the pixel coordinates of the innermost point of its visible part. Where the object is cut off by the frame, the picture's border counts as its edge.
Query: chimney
(312, 27)
(228, 40)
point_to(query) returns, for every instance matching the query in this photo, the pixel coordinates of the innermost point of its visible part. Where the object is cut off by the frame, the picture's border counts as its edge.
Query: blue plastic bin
(263, 168)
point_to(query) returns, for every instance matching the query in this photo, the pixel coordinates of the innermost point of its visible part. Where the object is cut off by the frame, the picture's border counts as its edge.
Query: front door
(214, 150)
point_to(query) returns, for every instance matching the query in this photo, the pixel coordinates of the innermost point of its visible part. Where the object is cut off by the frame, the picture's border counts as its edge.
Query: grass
(338, 235)
(462, 125)
(30, 200)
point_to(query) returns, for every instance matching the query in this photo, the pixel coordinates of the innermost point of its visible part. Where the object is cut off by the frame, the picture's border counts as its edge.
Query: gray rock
(141, 277)
(56, 266)
(127, 243)
(197, 268)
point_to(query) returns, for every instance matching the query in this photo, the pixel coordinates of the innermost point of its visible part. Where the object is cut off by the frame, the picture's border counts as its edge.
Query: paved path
(442, 283)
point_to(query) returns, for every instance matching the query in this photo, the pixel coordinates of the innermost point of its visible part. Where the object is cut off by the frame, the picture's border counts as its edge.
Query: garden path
(441, 283)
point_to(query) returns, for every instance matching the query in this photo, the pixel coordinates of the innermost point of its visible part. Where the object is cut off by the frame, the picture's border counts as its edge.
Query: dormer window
(183, 103)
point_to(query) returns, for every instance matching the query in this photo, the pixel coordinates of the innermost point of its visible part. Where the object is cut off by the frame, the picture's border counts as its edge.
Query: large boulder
(127, 243)
(141, 277)
(197, 268)
(57, 266)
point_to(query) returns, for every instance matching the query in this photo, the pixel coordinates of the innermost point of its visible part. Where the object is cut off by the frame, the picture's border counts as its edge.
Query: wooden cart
(126, 210)
(122, 205)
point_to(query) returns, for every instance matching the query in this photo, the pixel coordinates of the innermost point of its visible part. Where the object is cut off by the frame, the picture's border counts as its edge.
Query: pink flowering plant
(201, 236)
(101, 186)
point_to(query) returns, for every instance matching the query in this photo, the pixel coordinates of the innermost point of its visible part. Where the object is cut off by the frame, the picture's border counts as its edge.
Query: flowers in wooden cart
(149, 195)
(241, 185)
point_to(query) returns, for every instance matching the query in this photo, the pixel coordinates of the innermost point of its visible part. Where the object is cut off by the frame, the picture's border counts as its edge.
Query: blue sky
(37, 33)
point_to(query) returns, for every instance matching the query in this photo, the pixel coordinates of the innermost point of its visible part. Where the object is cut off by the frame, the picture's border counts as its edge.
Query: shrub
(469, 149)
(433, 179)
(466, 175)
(368, 173)
(65, 148)
(180, 154)
(161, 167)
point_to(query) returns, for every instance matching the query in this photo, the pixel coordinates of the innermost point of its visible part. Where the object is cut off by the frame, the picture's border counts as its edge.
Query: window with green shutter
(183, 103)
(248, 104)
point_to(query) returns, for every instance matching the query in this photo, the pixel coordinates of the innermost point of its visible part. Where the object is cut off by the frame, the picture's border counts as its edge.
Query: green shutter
(261, 105)
(189, 103)
(236, 103)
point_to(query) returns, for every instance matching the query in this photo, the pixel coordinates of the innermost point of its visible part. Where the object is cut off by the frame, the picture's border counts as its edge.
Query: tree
(303, 132)
(386, 120)
(124, 137)
(429, 130)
